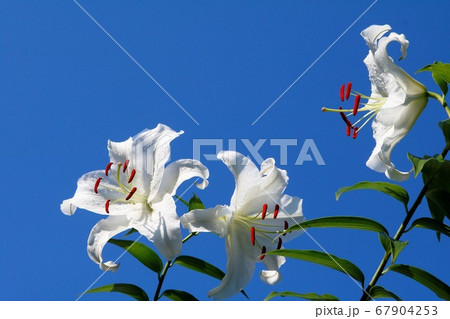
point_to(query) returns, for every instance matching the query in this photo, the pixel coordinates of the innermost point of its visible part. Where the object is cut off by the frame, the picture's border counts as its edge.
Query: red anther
(96, 185)
(263, 253)
(356, 105)
(349, 89)
(108, 167)
(125, 165)
(133, 190)
(348, 130)
(107, 205)
(280, 242)
(342, 92)
(344, 117)
(252, 235)
(355, 132)
(264, 211)
(286, 226)
(130, 179)
(275, 212)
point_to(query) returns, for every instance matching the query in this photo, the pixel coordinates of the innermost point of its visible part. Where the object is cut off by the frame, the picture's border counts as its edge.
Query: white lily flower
(396, 101)
(252, 224)
(135, 191)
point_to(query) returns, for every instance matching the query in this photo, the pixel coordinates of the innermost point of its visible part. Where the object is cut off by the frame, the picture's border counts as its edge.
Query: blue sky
(66, 88)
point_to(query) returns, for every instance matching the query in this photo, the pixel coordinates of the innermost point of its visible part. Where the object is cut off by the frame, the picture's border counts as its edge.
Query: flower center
(371, 106)
(127, 192)
(262, 229)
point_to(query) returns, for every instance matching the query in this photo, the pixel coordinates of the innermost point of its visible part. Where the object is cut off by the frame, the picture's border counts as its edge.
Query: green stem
(161, 278)
(440, 99)
(398, 235)
(168, 264)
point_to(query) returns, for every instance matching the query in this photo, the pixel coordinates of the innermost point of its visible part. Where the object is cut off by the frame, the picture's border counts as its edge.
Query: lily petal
(67, 207)
(120, 151)
(270, 277)
(151, 151)
(103, 231)
(241, 257)
(245, 173)
(182, 170)
(162, 227)
(215, 220)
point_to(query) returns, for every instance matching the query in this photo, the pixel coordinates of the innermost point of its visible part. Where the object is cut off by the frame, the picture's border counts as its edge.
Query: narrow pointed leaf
(441, 289)
(380, 292)
(431, 224)
(141, 252)
(445, 127)
(323, 259)
(308, 296)
(131, 231)
(385, 242)
(182, 200)
(397, 247)
(178, 295)
(195, 203)
(393, 190)
(200, 266)
(440, 73)
(203, 267)
(419, 163)
(352, 222)
(127, 289)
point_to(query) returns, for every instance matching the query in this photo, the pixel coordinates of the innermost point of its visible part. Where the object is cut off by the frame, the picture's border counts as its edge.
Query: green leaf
(385, 242)
(436, 175)
(182, 200)
(431, 224)
(178, 295)
(380, 292)
(419, 163)
(323, 259)
(351, 222)
(393, 190)
(309, 296)
(392, 246)
(195, 203)
(127, 289)
(445, 127)
(440, 73)
(141, 252)
(200, 266)
(397, 247)
(441, 289)
(131, 231)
